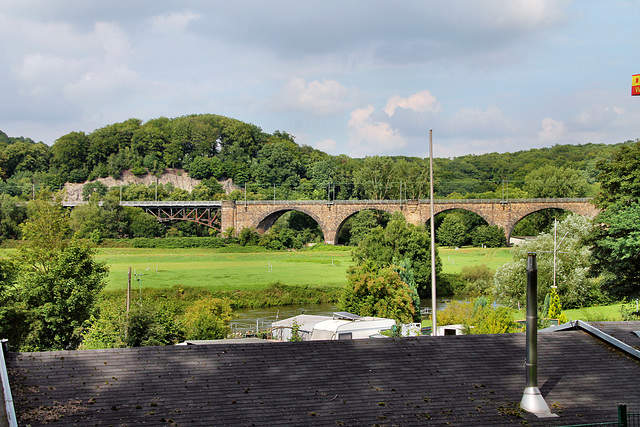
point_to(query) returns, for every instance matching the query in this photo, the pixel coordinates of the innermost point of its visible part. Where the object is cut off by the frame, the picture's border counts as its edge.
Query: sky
(352, 77)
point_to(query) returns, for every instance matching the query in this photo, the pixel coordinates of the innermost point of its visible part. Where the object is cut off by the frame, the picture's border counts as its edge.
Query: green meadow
(454, 260)
(218, 270)
(214, 269)
(222, 269)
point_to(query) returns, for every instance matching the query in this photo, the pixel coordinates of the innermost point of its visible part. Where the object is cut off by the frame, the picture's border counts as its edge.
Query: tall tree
(70, 151)
(56, 281)
(616, 238)
(571, 267)
(400, 240)
(554, 182)
(453, 231)
(377, 291)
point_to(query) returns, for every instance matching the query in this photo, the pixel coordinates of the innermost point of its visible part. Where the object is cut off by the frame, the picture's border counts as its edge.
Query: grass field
(454, 260)
(215, 270)
(598, 313)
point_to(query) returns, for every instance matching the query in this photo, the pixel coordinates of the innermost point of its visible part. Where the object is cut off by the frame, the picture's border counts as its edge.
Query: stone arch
(533, 209)
(469, 208)
(352, 213)
(267, 220)
(452, 210)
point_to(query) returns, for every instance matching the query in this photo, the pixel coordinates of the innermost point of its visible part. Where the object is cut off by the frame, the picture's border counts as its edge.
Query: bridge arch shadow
(301, 219)
(537, 221)
(346, 232)
(470, 219)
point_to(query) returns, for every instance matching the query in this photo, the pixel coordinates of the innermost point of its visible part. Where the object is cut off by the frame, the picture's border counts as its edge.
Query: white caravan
(342, 326)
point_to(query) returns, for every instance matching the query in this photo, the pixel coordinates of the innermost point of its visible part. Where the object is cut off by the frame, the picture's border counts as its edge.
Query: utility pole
(434, 322)
(129, 292)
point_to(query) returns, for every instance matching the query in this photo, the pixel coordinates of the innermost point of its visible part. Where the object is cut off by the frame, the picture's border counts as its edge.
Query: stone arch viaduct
(331, 215)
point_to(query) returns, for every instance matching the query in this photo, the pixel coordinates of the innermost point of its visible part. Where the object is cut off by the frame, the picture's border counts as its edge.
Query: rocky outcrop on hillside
(177, 177)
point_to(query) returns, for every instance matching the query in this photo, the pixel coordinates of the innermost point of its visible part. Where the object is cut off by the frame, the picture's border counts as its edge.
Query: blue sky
(348, 77)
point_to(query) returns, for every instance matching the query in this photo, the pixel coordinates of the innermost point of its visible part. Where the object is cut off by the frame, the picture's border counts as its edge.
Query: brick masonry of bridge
(331, 216)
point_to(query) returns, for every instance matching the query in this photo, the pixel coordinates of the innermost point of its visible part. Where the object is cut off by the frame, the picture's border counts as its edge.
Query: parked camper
(339, 327)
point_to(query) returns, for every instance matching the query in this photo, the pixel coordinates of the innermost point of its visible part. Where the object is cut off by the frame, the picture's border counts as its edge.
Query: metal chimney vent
(532, 401)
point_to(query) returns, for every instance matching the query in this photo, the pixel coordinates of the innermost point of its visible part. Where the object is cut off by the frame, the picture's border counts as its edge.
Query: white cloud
(174, 22)
(369, 136)
(320, 98)
(421, 102)
(595, 117)
(327, 145)
(474, 122)
(552, 130)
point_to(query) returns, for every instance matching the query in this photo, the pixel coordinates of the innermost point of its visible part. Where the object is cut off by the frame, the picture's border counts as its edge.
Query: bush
(178, 242)
(151, 325)
(378, 291)
(490, 236)
(478, 317)
(476, 280)
(207, 319)
(248, 237)
(91, 188)
(78, 175)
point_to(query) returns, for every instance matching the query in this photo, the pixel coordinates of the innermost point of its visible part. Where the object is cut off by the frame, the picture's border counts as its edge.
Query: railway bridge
(331, 215)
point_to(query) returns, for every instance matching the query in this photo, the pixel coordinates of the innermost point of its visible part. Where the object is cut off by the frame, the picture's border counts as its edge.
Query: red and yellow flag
(635, 85)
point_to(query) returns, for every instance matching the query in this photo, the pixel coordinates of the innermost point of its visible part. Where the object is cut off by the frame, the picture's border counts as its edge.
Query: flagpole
(434, 322)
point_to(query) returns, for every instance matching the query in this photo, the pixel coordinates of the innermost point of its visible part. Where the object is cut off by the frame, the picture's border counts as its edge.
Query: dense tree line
(264, 166)
(215, 147)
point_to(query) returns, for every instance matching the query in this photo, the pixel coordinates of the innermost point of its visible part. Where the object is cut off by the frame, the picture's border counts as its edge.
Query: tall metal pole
(532, 400)
(532, 320)
(434, 321)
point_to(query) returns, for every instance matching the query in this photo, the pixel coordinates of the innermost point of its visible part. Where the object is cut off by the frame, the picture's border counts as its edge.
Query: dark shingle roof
(624, 331)
(461, 380)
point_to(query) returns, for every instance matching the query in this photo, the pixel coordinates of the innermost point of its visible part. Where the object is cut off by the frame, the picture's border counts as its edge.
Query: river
(247, 319)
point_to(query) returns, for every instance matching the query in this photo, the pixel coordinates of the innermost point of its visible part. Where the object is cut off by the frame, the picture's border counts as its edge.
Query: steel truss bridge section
(206, 213)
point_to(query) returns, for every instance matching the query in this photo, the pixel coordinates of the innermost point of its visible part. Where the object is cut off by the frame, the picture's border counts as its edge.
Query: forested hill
(212, 147)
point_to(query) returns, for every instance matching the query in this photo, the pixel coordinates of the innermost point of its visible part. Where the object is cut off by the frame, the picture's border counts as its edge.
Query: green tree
(277, 164)
(553, 182)
(452, 231)
(377, 291)
(402, 241)
(575, 287)
(207, 319)
(141, 224)
(616, 249)
(152, 324)
(14, 315)
(403, 267)
(360, 224)
(555, 307)
(57, 280)
(70, 151)
(490, 236)
(375, 178)
(619, 177)
(12, 214)
(615, 240)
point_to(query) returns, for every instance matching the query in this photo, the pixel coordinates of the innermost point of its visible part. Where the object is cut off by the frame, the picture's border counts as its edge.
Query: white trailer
(339, 327)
